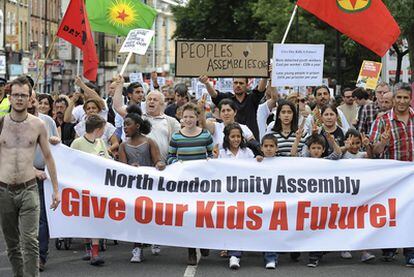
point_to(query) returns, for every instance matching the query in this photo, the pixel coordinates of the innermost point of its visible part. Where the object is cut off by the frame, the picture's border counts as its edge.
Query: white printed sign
(136, 77)
(161, 82)
(224, 85)
(137, 41)
(297, 64)
(198, 87)
(236, 203)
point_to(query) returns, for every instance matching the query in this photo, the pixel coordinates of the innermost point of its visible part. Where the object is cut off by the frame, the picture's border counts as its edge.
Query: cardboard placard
(137, 41)
(221, 58)
(297, 65)
(369, 75)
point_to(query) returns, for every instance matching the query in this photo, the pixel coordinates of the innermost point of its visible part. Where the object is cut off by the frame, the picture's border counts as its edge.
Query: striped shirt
(400, 146)
(184, 148)
(284, 144)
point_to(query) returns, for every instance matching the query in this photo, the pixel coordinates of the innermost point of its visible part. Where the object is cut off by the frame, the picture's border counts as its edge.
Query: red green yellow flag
(118, 17)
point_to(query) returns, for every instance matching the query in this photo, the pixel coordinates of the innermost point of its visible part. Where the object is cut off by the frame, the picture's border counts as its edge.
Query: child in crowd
(234, 144)
(354, 140)
(188, 144)
(234, 147)
(139, 150)
(269, 149)
(316, 145)
(92, 143)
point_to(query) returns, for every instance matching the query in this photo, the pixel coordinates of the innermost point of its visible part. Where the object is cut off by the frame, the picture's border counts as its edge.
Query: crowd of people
(159, 127)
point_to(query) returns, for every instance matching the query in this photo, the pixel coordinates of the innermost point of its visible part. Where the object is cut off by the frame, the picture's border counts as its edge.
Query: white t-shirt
(218, 136)
(162, 128)
(245, 153)
(78, 113)
(80, 130)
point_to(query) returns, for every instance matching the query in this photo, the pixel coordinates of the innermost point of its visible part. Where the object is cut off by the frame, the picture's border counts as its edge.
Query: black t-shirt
(246, 110)
(339, 136)
(111, 112)
(68, 133)
(171, 110)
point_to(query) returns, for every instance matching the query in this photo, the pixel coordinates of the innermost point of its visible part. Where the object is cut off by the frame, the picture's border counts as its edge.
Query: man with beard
(393, 138)
(66, 130)
(19, 196)
(322, 97)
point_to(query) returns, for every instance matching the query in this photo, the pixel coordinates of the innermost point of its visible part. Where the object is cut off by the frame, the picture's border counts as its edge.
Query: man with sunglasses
(349, 107)
(20, 133)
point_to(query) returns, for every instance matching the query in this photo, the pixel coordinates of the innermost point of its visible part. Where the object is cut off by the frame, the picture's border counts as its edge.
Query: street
(172, 262)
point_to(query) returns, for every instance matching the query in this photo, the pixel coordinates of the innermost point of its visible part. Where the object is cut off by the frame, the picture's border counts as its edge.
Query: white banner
(137, 41)
(281, 204)
(297, 64)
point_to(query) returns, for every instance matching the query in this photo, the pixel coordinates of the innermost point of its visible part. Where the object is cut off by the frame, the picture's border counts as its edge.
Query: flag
(368, 22)
(118, 17)
(75, 29)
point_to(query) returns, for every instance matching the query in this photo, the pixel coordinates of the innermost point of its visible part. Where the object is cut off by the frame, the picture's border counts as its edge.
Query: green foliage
(403, 10)
(268, 19)
(211, 19)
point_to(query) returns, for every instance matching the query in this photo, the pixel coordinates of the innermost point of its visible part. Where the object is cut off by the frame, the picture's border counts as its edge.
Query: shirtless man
(19, 198)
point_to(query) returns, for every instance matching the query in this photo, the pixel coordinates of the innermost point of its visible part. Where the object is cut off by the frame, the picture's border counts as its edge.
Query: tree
(211, 19)
(268, 19)
(402, 10)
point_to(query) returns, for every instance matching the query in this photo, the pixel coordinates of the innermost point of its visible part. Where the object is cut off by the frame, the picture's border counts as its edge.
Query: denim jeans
(408, 252)
(270, 257)
(235, 253)
(43, 225)
(19, 217)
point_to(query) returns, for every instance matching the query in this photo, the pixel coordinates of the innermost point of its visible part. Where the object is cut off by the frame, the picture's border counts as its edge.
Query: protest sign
(136, 42)
(136, 77)
(297, 65)
(236, 204)
(198, 87)
(224, 85)
(221, 58)
(369, 75)
(161, 82)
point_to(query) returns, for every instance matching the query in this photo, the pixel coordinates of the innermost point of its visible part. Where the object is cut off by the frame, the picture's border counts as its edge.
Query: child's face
(235, 138)
(286, 115)
(130, 127)
(269, 148)
(189, 119)
(316, 150)
(355, 145)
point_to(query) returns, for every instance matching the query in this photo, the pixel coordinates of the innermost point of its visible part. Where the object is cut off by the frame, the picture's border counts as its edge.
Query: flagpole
(46, 58)
(78, 56)
(125, 63)
(290, 24)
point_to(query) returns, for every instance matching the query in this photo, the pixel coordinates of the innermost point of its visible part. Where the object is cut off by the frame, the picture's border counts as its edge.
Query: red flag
(75, 29)
(366, 21)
